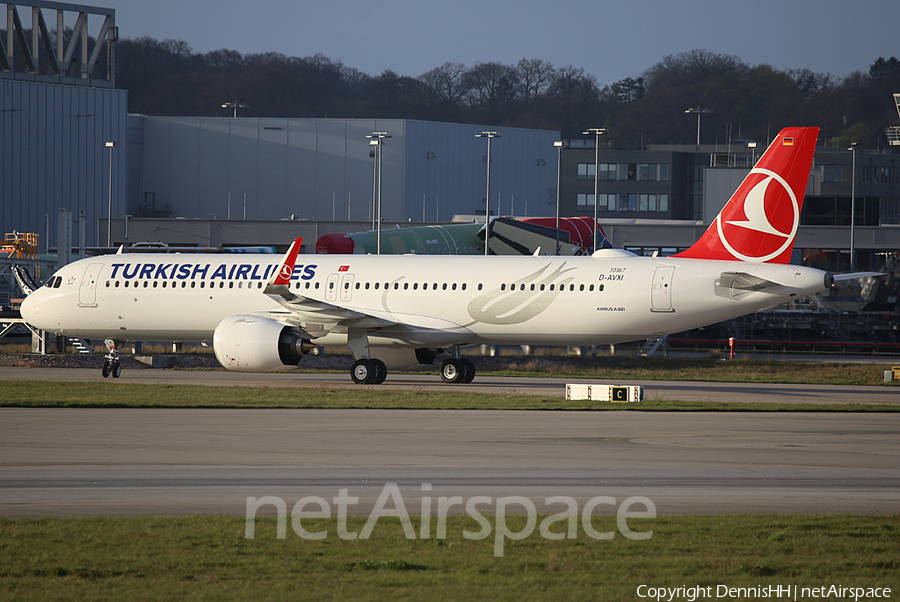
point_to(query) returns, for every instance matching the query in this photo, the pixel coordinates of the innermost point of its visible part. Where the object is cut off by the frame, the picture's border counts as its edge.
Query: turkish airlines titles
(192, 271)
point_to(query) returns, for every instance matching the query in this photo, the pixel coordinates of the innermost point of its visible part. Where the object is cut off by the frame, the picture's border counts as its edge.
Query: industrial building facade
(61, 119)
(324, 169)
(53, 155)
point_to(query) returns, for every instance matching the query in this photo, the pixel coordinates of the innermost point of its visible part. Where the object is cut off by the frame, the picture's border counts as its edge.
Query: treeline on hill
(751, 102)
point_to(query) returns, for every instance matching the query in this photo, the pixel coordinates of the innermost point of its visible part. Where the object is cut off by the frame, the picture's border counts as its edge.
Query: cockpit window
(54, 282)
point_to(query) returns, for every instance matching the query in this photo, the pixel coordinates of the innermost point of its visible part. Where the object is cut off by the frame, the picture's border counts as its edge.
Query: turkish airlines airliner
(402, 311)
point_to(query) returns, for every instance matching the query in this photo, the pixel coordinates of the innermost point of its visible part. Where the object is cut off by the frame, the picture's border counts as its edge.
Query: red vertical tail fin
(760, 220)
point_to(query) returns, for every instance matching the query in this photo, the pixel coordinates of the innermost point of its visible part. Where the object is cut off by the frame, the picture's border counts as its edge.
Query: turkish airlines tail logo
(755, 211)
(760, 220)
(286, 269)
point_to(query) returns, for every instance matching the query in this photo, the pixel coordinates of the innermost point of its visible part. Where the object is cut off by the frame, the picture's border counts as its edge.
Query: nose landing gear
(111, 364)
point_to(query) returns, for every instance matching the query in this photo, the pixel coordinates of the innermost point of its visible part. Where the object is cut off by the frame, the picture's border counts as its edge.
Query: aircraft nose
(33, 312)
(28, 309)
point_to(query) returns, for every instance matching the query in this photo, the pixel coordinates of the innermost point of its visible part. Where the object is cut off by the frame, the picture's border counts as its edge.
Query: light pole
(559, 146)
(110, 146)
(487, 195)
(376, 139)
(373, 145)
(852, 150)
(699, 112)
(235, 106)
(597, 132)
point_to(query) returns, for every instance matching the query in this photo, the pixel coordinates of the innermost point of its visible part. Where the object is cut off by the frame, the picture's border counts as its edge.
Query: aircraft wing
(318, 318)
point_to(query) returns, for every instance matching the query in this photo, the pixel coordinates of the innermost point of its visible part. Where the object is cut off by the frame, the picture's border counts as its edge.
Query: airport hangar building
(236, 180)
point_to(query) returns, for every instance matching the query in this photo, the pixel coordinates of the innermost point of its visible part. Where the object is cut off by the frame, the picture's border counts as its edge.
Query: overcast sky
(611, 40)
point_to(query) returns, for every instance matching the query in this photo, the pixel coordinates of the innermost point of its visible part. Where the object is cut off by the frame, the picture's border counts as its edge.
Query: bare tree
(533, 78)
(490, 91)
(692, 67)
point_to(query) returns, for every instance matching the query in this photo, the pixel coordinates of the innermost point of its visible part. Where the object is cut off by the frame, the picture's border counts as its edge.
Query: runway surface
(65, 462)
(545, 387)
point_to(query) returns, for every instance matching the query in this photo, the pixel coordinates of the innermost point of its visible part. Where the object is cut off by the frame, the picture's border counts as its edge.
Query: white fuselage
(613, 297)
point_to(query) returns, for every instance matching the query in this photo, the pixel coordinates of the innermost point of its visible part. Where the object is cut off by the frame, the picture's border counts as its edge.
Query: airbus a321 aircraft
(396, 312)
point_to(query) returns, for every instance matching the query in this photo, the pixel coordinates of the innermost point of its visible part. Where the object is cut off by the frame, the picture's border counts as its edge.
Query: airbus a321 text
(394, 312)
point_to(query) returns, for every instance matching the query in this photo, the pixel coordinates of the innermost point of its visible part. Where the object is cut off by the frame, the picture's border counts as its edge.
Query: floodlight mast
(376, 139)
(487, 196)
(559, 146)
(699, 112)
(235, 105)
(597, 132)
(852, 150)
(110, 145)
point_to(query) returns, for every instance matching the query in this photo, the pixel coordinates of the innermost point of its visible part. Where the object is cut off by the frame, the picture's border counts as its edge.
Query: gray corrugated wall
(316, 168)
(309, 167)
(52, 155)
(446, 163)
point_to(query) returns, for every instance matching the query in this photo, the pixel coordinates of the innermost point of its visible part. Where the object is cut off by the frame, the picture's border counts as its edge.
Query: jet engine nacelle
(255, 343)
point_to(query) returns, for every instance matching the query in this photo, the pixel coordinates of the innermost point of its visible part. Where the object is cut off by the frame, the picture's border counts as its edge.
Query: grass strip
(692, 369)
(208, 558)
(111, 394)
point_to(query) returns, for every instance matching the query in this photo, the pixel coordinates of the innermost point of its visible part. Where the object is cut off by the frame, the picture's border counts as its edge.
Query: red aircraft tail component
(760, 220)
(286, 268)
(335, 244)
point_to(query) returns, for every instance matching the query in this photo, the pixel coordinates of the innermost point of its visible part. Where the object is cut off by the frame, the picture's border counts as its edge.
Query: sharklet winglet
(282, 275)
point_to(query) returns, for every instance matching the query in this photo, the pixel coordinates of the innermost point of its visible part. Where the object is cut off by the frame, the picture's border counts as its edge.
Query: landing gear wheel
(111, 361)
(470, 370)
(380, 372)
(364, 372)
(452, 370)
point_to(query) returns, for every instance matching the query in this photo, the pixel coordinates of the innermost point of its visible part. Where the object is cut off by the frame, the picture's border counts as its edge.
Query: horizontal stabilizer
(738, 284)
(743, 281)
(856, 276)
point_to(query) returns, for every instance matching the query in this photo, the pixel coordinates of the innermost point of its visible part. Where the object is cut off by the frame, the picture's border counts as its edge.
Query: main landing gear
(367, 371)
(457, 369)
(111, 361)
(372, 371)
